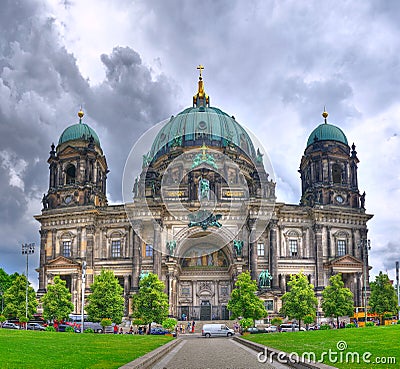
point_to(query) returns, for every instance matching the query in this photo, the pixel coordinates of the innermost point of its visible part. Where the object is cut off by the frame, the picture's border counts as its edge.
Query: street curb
(147, 360)
(283, 356)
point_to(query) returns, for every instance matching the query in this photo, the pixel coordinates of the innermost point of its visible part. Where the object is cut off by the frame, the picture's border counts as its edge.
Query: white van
(216, 330)
(289, 327)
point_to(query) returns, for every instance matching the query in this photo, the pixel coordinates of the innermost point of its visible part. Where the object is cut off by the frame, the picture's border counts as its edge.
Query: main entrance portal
(205, 310)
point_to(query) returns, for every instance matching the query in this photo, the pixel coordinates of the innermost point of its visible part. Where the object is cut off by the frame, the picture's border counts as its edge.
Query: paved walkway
(196, 352)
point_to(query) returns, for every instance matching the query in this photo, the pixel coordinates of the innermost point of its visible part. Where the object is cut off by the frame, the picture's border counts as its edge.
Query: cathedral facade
(203, 210)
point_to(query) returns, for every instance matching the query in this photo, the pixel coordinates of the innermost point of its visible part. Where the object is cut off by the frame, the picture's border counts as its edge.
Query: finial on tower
(80, 114)
(325, 115)
(200, 68)
(201, 98)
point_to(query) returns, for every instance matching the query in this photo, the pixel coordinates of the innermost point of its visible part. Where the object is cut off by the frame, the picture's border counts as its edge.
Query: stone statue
(171, 246)
(143, 275)
(362, 200)
(238, 246)
(135, 187)
(264, 279)
(204, 189)
(204, 219)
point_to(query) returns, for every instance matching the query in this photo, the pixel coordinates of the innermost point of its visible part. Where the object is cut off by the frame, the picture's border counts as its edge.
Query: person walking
(193, 325)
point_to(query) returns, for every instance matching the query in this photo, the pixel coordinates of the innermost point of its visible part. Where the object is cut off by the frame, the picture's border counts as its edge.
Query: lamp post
(365, 246)
(27, 249)
(83, 294)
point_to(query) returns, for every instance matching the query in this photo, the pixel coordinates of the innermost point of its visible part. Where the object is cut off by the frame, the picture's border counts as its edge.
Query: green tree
(244, 302)
(308, 319)
(169, 324)
(106, 300)
(15, 299)
(300, 300)
(6, 281)
(151, 302)
(57, 304)
(383, 296)
(337, 300)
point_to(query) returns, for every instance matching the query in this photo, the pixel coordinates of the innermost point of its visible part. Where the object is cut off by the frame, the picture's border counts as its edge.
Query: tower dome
(327, 132)
(79, 131)
(197, 124)
(202, 123)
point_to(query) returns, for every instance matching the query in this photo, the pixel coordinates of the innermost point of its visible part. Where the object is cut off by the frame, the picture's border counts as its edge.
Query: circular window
(202, 125)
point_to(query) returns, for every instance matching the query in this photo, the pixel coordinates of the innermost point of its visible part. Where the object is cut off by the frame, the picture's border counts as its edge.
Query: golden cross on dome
(200, 68)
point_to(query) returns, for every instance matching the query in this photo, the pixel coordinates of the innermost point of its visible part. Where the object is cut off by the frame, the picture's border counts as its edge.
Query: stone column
(319, 272)
(53, 244)
(157, 248)
(253, 249)
(329, 245)
(42, 282)
(126, 294)
(89, 254)
(136, 261)
(273, 252)
(78, 242)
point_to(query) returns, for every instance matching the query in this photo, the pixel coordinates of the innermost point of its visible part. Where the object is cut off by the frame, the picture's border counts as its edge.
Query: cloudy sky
(130, 64)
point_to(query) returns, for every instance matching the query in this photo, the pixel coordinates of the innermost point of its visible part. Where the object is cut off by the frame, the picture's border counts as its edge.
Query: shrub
(276, 321)
(398, 322)
(69, 329)
(350, 325)
(138, 321)
(106, 322)
(50, 328)
(370, 324)
(2, 318)
(88, 330)
(169, 323)
(246, 323)
(324, 327)
(387, 316)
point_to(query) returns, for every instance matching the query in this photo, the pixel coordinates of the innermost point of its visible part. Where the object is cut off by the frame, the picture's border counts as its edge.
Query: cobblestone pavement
(211, 353)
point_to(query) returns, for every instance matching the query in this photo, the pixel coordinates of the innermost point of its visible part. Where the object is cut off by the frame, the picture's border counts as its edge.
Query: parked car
(254, 330)
(158, 330)
(289, 327)
(35, 327)
(271, 329)
(8, 325)
(63, 327)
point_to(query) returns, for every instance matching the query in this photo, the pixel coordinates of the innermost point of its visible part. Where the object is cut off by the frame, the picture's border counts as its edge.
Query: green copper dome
(202, 124)
(327, 132)
(78, 131)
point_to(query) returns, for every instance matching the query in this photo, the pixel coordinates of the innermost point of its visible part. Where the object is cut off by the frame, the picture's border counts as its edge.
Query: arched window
(336, 173)
(71, 174)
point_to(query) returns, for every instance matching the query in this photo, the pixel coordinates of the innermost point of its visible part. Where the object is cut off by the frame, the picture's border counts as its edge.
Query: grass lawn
(382, 342)
(33, 349)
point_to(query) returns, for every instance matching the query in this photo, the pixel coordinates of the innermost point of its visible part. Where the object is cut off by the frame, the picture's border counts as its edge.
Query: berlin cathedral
(202, 210)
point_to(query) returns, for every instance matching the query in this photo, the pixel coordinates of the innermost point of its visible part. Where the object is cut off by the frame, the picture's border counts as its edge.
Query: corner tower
(328, 169)
(78, 169)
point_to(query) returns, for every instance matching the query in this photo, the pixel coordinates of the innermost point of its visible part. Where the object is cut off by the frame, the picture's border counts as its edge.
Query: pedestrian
(131, 330)
(115, 329)
(193, 324)
(121, 331)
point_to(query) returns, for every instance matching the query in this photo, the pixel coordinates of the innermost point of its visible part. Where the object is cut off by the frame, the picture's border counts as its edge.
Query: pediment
(62, 261)
(345, 260)
(69, 150)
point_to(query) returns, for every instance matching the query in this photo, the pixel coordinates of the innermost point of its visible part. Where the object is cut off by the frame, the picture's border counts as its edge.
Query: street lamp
(83, 294)
(365, 246)
(27, 249)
